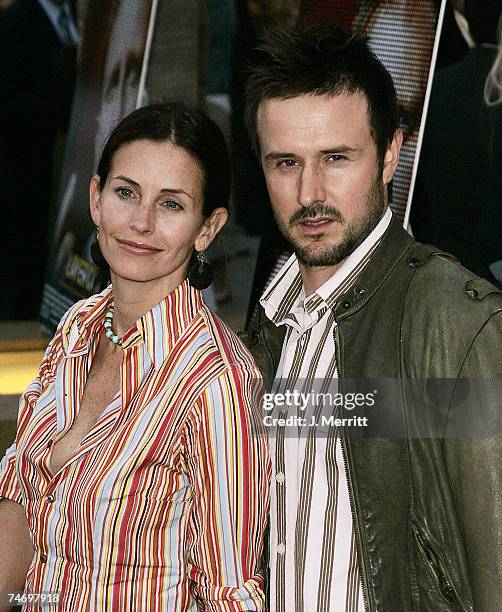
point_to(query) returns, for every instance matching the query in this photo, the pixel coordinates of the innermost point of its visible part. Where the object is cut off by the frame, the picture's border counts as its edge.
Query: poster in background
(111, 72)
(402, 34)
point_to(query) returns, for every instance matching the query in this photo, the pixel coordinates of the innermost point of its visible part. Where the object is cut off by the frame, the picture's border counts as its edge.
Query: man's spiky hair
(321, 59)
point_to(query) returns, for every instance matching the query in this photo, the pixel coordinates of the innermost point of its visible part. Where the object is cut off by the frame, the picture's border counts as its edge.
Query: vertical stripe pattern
(164, 504)
(313, 558)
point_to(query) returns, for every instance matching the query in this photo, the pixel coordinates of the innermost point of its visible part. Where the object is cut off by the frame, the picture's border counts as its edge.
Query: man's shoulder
(440, 280)
(446, 306)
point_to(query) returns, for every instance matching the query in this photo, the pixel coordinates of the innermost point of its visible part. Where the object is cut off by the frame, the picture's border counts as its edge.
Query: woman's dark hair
(189, 129)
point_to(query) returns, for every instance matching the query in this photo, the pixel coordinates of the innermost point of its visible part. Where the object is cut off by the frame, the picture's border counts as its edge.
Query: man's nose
(143, 217)
(311, 187)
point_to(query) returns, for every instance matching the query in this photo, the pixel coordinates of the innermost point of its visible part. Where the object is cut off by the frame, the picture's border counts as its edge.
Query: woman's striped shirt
(163, 506)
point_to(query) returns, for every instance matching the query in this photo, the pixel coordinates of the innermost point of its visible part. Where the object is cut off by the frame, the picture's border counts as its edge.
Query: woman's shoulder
(83, 306)
(231, 349)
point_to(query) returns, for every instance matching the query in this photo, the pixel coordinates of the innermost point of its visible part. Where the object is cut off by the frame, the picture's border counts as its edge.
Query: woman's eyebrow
(174, 190)
(121, 177)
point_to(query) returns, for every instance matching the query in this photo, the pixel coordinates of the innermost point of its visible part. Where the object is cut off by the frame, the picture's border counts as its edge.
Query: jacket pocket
(437, 569)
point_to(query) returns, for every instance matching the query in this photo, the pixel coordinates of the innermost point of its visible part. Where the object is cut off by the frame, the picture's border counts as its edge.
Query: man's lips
(315, 225)
(138, 248)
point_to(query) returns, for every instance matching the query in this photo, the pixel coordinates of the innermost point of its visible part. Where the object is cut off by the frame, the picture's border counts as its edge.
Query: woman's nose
(143, 217)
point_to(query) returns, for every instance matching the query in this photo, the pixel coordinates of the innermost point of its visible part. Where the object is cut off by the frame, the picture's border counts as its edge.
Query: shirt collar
(284, 300)
(81, 328)
(159, 328)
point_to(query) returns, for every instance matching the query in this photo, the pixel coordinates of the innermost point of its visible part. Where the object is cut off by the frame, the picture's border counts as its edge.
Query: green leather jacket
(427, 511)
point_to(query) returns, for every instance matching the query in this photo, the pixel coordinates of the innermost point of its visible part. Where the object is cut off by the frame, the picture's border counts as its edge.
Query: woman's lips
(316, 225)
(138, 248)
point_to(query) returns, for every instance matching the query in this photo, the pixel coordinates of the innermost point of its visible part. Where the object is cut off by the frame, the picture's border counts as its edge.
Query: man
(397, 522)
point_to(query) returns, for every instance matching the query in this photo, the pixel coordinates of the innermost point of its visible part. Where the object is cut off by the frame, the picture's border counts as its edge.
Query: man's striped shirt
(313, 559)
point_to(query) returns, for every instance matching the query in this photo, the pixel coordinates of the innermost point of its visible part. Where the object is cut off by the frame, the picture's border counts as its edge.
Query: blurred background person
(456, 202)
(38, 47)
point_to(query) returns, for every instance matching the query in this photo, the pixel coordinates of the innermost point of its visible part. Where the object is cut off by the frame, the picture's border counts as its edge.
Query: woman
(136, 464)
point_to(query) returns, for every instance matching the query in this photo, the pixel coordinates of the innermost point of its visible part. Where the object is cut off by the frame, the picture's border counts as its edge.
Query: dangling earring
(200, 274)
(96, 254)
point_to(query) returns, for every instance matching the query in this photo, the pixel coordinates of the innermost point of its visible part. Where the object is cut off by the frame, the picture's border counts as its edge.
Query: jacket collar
(159, 328)
(395, 244)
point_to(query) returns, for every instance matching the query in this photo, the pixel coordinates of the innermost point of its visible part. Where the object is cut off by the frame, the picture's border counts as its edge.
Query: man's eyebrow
(276, 155)
(333, 151)
(340, 149)
(173, 190)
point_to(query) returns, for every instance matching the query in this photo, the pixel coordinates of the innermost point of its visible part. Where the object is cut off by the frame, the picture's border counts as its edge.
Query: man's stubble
(354, 234)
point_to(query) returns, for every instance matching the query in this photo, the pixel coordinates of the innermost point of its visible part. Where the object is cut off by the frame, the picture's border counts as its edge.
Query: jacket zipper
(362, 562)
(445, 587)
(364, 575)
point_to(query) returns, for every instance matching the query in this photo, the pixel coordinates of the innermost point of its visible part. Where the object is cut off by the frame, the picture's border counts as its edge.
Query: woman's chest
(101, 387)
(112, 452)
(137, 446)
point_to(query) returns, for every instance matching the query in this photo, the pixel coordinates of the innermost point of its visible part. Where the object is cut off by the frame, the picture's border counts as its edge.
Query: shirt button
(280, 477)
(49, 443)
(50, 498)
(281, 549)
(43, 558)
